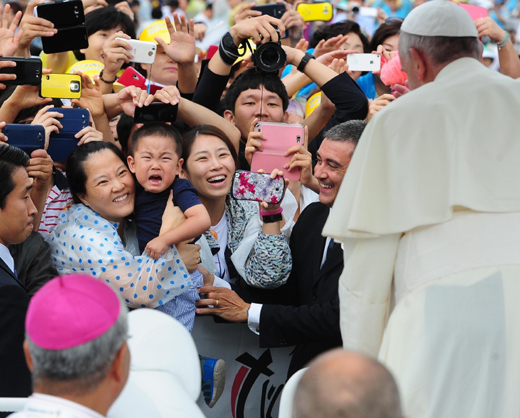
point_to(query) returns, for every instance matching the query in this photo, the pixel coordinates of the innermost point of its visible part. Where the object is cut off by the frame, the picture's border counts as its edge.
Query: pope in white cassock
(429, 213)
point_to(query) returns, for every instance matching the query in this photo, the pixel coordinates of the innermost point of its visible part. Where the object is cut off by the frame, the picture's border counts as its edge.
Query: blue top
(149, 208)
(368, 85)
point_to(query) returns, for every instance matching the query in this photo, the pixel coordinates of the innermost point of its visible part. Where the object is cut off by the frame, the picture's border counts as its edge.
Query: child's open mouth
(155, 180)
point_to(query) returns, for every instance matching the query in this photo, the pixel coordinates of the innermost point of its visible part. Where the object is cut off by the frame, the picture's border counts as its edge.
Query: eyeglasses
(392, 20)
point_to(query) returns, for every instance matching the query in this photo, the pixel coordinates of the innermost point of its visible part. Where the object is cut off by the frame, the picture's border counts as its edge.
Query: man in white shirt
(76, 332)
(430, 215)
(16, 223)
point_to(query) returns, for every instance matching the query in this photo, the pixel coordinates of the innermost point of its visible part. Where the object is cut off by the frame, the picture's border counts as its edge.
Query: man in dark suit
(305, 311)
(16, 224)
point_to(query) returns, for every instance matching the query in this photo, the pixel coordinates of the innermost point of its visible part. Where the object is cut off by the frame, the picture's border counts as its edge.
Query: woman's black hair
(383, 32)
(75, 169)
(106, 18)
(341, 28)
(191, 135)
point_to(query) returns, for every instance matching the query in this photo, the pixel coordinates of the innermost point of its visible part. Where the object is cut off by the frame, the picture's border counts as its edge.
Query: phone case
(68, 17)
(279, 138)
(25, 137)
(132, 77)
(143, 52)
(315, 12)
(27, 70)
(61, 86)
(364, 62)
(63, 143)
(257, 187)
(156, 112)
(275, 10)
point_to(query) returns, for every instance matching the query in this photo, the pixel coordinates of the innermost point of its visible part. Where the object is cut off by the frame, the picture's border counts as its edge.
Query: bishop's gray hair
(440, 49)
(82, 367)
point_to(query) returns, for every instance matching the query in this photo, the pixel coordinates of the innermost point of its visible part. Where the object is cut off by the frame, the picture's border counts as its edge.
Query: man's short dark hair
(11, 158)
(157, 129)
(254, 79)
(349, 131)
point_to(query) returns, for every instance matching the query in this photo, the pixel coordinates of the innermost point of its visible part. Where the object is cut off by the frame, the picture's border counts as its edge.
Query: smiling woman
(240, 247)
(93, 237)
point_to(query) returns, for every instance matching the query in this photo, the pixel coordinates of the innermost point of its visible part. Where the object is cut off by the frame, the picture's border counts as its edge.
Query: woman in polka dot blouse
(91, 236)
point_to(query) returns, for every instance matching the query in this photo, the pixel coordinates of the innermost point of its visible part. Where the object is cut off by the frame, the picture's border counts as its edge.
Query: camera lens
(74, 86)
(355, 9)
(48, 77)
(270, 57)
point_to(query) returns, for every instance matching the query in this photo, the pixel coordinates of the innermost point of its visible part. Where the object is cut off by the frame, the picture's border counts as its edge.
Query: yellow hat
(157, 28)
(313, 102)
(92, 68)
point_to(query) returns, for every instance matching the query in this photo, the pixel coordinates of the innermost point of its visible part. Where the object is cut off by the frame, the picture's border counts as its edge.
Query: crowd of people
(397, 241)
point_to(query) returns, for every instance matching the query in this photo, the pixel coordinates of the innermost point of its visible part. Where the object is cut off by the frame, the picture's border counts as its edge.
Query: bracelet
(227, 49)
(504, 41)
(268, 219)
(306, 58)
(269, 213)
(105, 81)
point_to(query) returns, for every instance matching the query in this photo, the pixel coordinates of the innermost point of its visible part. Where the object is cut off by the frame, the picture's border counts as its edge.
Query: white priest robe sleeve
(365, 289)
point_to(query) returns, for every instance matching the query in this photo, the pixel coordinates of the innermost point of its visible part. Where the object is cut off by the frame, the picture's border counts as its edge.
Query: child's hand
(156, 247)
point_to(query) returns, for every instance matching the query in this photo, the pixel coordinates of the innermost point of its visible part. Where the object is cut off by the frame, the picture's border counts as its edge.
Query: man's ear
(286, 117)
(131, 163)
(28, 358)
(121, 365)
(229, 116)
(419, 61)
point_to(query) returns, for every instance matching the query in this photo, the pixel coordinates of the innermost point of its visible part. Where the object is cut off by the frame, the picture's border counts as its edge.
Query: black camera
(270, 57)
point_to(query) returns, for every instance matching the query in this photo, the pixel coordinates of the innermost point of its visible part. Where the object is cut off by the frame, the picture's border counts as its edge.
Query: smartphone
(156, 112)
(315, 12)
(132, 77)
(63, 143)
(27, 70)
(61, 86)
(279, 138)
(368, 11)
(257, 187)
(276, 10)
(69, 19)
(364, 62)
(154, 88)
(143, 52)
(25, 137)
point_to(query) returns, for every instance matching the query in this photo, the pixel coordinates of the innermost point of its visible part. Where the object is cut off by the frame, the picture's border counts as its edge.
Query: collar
(7, 257)
(49, 406)
(463, 65)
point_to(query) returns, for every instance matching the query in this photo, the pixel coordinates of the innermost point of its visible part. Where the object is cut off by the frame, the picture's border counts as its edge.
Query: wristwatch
(269, 219)
(306, 58)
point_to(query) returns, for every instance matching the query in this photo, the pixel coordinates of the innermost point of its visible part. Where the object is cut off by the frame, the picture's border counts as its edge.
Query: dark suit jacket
(309, 315)
(15, 378)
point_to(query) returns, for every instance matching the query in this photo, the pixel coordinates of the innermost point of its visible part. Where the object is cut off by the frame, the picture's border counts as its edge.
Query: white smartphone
(364, 62)
(143, 52)
(368, 11)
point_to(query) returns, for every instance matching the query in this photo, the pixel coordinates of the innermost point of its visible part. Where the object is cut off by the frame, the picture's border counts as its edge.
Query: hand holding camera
(261, 30)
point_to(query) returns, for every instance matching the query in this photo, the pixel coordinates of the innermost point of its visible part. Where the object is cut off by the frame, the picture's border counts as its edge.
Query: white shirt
(47, 406)
(7, 257)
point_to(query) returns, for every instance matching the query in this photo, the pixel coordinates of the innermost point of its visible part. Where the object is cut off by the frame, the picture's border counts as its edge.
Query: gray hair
(440, 49)
(332, 391)
(346, 132)
(82, 367)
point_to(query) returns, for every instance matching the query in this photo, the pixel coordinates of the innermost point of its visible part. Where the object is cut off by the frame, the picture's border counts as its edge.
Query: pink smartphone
(257, 187)
(279, 138)
(131, 77)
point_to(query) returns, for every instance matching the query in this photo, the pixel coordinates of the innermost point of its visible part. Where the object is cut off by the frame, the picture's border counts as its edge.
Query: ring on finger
(217, 303)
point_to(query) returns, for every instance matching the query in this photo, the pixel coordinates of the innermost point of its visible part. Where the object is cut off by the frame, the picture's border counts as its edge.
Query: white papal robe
(429, 212)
